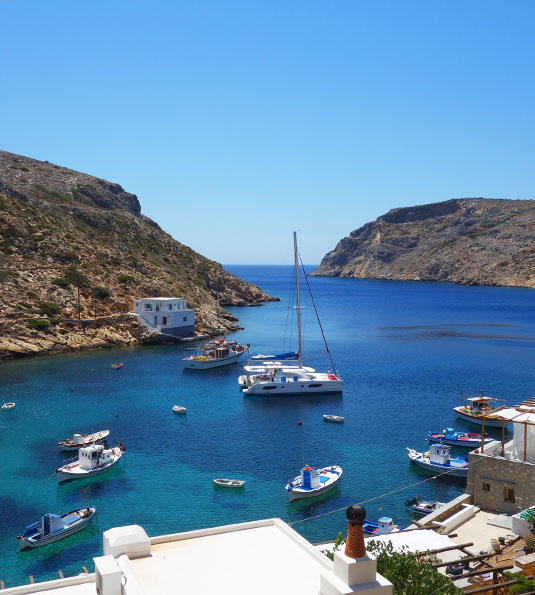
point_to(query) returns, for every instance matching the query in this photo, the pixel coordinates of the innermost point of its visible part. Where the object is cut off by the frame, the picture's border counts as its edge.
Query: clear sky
(236, 122)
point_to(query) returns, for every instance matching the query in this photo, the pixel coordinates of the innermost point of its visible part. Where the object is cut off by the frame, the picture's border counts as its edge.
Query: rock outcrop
(75, 251)
(470, 241)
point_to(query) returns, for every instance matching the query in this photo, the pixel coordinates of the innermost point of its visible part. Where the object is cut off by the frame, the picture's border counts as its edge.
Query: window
(485, 487)
(148, 307)
(509, 495)
(170, 307)
(185, 318)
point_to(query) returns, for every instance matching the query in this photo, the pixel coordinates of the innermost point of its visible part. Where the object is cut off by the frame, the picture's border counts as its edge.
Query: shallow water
(404, 351)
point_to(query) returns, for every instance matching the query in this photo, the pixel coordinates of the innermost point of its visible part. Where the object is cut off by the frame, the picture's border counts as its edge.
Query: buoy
(299, 423)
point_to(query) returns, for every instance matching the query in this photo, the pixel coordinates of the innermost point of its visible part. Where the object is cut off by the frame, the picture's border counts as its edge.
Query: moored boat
(179, 409)
(450, 436)
(423, 507)
(337, 419)
(116, 366)
(229, 483)
(478, 410)
(313, 482)
(80, 440)
(215, 354)
(92, 460)
(8, 406)
(438, 459)
(384, 525)
(53, 527)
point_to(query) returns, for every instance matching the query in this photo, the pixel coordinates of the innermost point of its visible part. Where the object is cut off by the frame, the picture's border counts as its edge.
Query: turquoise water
(404, 351)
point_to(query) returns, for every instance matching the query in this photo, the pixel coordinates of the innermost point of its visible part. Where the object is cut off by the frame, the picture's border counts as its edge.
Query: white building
(256, 558)
(167, 315)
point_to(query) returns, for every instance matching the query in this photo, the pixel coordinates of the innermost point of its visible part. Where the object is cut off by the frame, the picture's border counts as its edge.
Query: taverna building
(169, 315)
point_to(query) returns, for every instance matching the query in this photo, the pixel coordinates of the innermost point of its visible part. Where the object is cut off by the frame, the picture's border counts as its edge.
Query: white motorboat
(53, 527)
(92, 460)
(79, 440)
(229, 483)
(478, 410)
(337, 419)
(280, 377)
(423, 507)
(179, 409)
(8, 406)
(215, 354)
(313, 482)
(438, 460)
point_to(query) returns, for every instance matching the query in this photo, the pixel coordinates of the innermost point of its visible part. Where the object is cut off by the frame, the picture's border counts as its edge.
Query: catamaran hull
(25, 543)
(190, 364)
(493, 423)
(294, 388)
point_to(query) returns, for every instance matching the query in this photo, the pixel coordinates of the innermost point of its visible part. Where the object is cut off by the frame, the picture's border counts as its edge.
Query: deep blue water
(404, 351)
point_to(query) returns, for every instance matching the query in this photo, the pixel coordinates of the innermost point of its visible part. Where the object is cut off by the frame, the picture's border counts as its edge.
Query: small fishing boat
(92, 460)
(423, 507)
(450, 436)
(80, 440)
(313, 482)
(384, 525)
(116, 366)
(229, 483)
(179, 409)
(478, 409)
(215, 354)
(8, 406)
(438, 459)
(337, 419)
(53, 527)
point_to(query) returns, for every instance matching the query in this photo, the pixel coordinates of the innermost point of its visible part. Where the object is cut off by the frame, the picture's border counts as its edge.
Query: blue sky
(236, 122)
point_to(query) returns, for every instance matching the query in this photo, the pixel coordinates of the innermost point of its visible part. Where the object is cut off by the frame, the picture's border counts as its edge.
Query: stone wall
(490, 474)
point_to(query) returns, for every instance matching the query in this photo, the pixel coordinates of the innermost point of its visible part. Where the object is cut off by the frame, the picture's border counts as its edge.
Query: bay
(404, 351)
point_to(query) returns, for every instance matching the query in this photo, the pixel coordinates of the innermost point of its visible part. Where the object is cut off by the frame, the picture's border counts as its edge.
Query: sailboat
(287, 376)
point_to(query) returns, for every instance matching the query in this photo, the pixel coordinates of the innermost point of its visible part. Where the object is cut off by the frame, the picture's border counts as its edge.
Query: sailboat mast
(298, 301)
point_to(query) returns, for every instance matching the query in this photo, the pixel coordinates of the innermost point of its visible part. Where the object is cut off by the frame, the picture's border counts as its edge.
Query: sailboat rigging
(279, 374)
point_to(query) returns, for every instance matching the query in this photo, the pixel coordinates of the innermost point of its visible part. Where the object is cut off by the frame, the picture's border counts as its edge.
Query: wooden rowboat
(338, 419)
(229, 483)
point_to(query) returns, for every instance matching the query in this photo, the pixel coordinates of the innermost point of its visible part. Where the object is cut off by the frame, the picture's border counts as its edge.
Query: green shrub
(49, 308)
(74, 277)
(4, 275)
(125, 279)
(31, 294)
(38, 324)
(101, 293)
(61, 282)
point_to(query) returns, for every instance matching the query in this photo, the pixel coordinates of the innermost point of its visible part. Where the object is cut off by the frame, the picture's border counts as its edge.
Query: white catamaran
(285, 376)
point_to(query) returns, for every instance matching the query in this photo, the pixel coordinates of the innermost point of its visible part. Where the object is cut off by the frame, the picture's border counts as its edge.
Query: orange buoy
(299, 423)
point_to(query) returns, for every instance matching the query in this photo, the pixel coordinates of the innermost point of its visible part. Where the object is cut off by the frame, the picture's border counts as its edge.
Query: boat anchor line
(403, 488)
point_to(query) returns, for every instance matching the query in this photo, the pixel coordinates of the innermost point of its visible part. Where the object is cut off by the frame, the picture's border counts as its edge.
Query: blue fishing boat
(313, 482)
(53, 527)
(438, 460)
(450, 436)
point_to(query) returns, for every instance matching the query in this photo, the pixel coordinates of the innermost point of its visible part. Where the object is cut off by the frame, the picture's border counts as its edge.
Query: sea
(405, 351)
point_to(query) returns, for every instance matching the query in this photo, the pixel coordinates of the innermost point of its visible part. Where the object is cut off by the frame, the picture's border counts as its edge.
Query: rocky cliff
(471, 241)
(75, 251)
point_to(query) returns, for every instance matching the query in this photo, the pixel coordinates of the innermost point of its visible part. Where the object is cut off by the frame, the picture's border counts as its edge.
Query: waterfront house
(502, 475)
(167, 315)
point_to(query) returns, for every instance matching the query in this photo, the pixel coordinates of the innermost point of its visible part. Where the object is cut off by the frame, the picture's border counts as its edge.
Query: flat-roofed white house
(167, 315)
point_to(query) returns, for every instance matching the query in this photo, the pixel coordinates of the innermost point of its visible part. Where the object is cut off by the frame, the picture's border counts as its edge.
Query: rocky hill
(470, 241)
(75, 246)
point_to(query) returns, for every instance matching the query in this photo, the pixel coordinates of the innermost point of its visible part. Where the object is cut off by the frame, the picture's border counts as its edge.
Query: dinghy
(229, 483)
(80, 440)
(424, 507)
(313, 482)
(53, 527)
(92, 460)
(179, 409)
(8, 406)
(337, 419)
(116, 366)
(450, 436)
(438, 460)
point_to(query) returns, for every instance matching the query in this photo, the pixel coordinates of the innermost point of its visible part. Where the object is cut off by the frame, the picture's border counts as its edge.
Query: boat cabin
(481, 405)
(93, 456)
(51, 523)
(439, 454)
(385, 525)
(310, 479)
